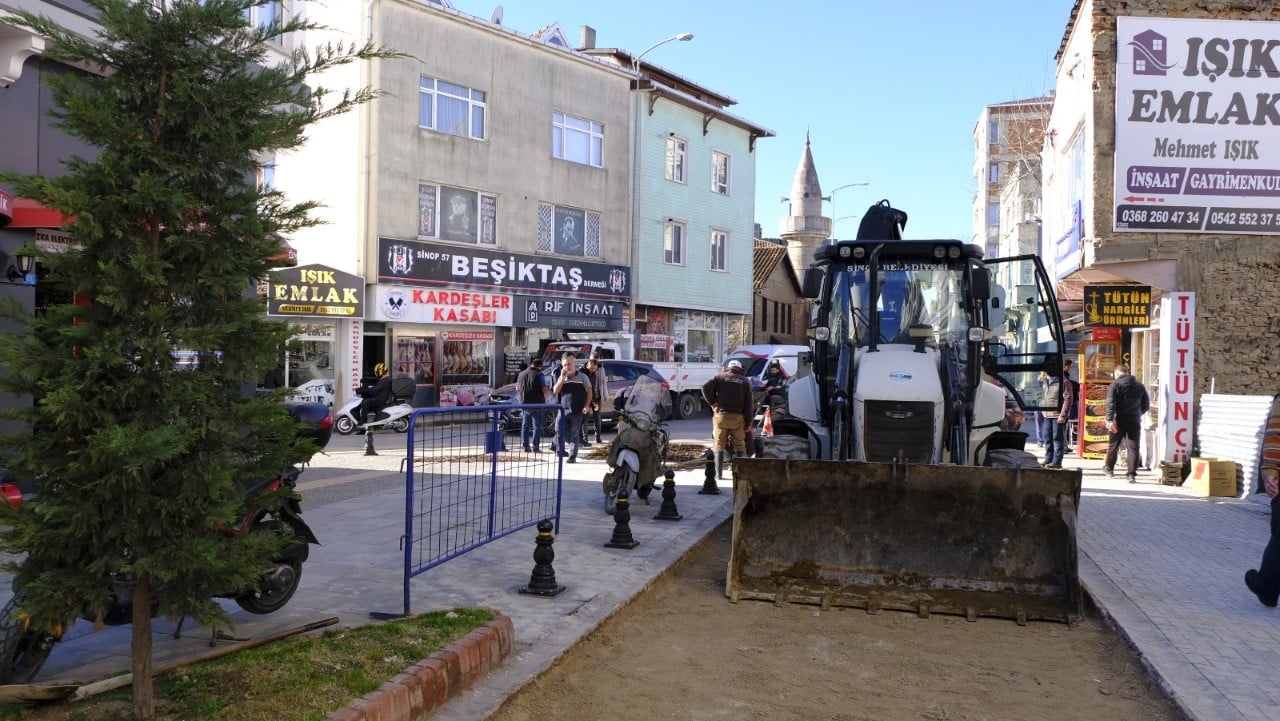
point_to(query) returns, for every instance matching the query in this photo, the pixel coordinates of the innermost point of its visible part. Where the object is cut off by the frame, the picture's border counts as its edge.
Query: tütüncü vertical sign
(1121, 306)
(315, 290)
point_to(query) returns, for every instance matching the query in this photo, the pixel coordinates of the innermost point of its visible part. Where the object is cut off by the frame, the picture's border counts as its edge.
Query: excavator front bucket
(966, 540)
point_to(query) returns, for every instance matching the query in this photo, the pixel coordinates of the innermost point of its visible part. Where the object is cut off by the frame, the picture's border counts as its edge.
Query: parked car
(619, 375)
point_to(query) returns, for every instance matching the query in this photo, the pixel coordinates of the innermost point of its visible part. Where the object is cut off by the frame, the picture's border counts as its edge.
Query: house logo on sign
(531, 311)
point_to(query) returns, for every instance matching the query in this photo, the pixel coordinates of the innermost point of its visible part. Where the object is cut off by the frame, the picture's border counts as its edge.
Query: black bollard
(668, 511)
(709, 487)
(622, 537)
(542, 582)
(368, 442)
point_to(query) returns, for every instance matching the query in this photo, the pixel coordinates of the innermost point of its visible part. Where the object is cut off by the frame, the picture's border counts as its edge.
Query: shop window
(415, 357)
(702, 345)
(310, 371)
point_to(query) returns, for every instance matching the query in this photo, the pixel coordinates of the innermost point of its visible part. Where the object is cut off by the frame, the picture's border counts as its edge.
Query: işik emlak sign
(1197, 111)
(315, 290)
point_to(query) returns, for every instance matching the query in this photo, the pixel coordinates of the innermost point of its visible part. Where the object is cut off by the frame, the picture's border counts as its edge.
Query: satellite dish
(496, 17)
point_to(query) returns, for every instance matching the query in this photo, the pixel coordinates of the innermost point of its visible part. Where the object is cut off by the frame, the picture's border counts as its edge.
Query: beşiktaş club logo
(617, 281)
(394, 304)
(400, 259)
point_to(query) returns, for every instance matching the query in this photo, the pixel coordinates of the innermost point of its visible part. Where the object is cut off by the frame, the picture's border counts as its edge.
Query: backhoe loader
(893, 482)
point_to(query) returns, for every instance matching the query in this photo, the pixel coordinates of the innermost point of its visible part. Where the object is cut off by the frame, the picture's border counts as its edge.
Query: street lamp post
(635, 62)
(637, 134)
(832, 199)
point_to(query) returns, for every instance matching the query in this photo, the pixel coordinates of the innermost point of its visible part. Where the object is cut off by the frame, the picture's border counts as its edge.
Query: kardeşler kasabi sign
(417, 262)
(315, 290)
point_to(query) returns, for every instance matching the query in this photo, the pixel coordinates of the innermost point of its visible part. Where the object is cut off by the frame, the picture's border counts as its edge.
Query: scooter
(24, 650)
(395, 415)
(638, 453)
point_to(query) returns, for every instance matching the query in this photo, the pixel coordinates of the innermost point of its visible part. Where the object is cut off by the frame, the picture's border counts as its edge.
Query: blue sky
(888, 91)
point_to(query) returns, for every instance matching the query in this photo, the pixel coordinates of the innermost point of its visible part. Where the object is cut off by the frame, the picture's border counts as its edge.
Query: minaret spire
(806, 228)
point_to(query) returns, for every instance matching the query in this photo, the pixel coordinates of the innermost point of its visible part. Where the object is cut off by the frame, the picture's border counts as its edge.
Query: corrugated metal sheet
(1231, 428)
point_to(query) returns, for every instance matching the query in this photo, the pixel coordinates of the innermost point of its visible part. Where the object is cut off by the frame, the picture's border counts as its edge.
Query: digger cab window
(914, 294)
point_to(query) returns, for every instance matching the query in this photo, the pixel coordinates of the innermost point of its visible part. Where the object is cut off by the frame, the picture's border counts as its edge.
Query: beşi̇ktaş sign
(1197, 115)
(315, 290)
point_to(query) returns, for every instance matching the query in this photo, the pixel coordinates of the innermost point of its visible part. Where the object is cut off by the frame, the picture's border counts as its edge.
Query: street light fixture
(635, 62)
(832, 199)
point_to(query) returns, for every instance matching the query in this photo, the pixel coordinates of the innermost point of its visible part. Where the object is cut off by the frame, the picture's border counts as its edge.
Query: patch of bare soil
(682, 651)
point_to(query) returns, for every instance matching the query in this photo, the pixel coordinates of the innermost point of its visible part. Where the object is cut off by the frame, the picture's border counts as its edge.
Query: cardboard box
(1212, 477)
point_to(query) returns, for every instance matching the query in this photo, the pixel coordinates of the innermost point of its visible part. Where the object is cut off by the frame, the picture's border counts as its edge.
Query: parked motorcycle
(23, 651)
(639, 451)
(395, 415)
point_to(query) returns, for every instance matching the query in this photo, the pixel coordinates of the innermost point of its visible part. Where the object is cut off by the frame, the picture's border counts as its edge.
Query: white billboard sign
(1175, 396)
(1197, 120)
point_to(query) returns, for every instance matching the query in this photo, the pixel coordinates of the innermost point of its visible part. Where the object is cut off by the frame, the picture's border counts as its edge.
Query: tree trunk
(144, 698)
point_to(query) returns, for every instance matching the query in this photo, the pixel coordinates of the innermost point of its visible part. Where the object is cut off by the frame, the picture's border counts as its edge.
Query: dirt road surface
(682, 651)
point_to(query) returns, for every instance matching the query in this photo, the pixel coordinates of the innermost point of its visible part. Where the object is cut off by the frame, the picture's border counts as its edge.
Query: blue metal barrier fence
(465, 488)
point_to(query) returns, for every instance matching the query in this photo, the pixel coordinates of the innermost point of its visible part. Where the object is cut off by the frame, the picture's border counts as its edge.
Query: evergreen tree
(137, 459)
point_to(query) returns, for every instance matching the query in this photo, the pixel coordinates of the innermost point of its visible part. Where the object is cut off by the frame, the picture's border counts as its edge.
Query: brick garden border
(429, 683)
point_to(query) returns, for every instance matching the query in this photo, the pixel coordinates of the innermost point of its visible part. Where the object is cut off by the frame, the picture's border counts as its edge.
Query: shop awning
(27, 213)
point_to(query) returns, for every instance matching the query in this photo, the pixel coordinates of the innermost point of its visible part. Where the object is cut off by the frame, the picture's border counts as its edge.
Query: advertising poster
(1196, 122)
(458, 218)
(570, 231)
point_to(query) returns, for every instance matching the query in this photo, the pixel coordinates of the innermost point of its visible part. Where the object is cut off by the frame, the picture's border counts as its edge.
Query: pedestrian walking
(729, 395)
(1055, 420)
(596, 374)
(573, 390)
(1127, 402)
(1073, 410)
(1265, 581)
(531, 387)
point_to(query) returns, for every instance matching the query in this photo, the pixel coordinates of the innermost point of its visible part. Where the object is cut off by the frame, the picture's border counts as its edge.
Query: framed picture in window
(568, 235)
(426, 210)
(458, 220)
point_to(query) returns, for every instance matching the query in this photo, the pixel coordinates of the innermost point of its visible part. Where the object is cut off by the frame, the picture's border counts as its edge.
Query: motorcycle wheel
(625, 485)
(270, 596)
(344, 425)
(22, 651)
(400, 425)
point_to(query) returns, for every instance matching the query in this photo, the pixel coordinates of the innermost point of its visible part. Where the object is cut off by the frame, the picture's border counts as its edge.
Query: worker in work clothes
(729, 395)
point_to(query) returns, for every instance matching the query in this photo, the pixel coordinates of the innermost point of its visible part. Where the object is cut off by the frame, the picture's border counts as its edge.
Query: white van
(755, 360)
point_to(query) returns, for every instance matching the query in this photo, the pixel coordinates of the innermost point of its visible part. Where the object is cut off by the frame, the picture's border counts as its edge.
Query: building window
(673, 243)
(677, 160)
(263, 15)
(267, 175)
(786, 325)
(568, 231)
(703, 346)
(719, 250)
(577, 140)
(993, 173)
(457, 214)
(993, 131)
(764, 314)
(993, 216)
(448, 108)
(720, 173)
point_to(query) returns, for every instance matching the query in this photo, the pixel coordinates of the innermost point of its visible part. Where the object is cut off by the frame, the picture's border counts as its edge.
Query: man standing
(1265, 581)
(595, 373)
(1127, 402)
(1053, 429)
(531, 387)
(1060, 430)
(1072, 412)
(729, 395)
(573, 390)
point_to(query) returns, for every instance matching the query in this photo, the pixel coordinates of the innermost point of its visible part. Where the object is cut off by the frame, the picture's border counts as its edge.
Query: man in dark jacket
(729, 395)
(1127, 402)
(531, 387)
(573, 389)
(376, 396)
